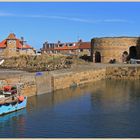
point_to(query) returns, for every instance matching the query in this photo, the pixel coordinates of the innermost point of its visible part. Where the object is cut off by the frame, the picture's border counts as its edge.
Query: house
(48, 47)
(75, 48)
(12, 46)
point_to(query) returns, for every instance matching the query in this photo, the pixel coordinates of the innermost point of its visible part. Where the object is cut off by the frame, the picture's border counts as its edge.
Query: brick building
(12, 46)
(75, 48)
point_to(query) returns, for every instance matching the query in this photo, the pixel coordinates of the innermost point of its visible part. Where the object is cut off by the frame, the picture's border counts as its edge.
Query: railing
(11, 94)
(134, 61)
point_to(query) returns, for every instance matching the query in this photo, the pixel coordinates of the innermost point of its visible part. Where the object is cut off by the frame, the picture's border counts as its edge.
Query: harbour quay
(37, 83)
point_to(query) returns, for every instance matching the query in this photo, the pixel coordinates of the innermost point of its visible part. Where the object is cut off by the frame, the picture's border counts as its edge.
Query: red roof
(19, 45)
(79, 45)
(18, 42)
(27, 46)
(84, 45)
(11, 36)
(3, 44)
(66, 48)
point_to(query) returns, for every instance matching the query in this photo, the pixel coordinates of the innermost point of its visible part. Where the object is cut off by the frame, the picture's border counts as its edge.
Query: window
(60, 45)
(70, 44)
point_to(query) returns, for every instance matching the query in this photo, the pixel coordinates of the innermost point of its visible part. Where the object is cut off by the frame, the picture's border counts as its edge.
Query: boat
(11, 99)
(10, 116)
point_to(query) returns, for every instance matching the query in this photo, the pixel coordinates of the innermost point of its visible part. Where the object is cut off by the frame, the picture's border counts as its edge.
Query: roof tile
(18, 42)
(3, 44)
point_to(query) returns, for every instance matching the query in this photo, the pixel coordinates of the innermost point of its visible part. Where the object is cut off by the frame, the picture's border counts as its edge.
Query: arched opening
(132, 52)
(97, 57)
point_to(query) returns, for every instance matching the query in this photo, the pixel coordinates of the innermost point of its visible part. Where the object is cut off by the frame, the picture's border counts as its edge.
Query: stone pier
(36, 84)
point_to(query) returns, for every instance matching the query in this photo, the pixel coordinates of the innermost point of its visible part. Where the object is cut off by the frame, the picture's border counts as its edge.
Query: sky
(38, 22)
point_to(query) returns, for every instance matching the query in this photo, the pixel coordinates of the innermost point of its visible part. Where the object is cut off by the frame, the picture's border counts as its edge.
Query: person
(13, 90)
(125, 57)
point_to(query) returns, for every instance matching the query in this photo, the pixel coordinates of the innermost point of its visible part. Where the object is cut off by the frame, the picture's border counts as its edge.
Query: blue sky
(38, 22)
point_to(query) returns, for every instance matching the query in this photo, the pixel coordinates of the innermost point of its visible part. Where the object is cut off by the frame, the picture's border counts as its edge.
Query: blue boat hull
(11, 107)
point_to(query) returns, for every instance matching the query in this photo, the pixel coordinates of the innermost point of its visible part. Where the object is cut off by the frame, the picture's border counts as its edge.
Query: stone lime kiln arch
(113, 48)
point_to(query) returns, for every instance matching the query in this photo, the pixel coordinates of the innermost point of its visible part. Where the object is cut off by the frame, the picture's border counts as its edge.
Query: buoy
(7, 88)
(21, 98)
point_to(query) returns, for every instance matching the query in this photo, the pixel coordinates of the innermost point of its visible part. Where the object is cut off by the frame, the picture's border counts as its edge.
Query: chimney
(59, 42)
(22, 40)
(80, 40)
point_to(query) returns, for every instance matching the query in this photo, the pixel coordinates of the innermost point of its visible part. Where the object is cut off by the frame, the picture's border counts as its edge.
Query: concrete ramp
(43, 83)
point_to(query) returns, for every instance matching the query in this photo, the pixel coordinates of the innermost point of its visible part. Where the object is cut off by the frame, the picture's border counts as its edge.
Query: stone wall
(113, 47)
(72, 79)
(26, 52)
(28, 83)
(33, 84)
(123, 72)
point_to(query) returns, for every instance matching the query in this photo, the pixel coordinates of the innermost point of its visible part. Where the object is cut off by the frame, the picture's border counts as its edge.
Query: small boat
(11, 99)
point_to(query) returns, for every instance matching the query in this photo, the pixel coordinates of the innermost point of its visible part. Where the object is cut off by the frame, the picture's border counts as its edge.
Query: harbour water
(103, 109)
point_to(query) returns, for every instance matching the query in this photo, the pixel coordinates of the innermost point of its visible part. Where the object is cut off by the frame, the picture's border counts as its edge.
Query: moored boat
(11, 99)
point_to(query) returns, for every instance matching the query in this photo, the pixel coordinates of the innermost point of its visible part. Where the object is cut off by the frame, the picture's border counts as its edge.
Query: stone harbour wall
(27, 82)
(33, 84)
(72, 79)
(124, 72)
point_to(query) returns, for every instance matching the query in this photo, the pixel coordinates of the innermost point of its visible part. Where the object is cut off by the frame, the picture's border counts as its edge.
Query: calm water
(102, 109)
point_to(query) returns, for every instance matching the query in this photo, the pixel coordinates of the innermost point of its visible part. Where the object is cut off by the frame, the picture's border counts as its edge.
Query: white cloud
(80, 19)
(118, 20)
(4, 14)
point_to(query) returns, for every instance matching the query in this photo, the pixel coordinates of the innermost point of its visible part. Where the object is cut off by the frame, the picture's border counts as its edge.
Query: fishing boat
(11, 99)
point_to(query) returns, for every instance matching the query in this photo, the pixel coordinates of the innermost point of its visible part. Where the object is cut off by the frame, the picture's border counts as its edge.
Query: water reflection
(116, 103)
(16, 122)
(107, 92)
(37, 103)
(12, 116)
(57, 97)
(116, 92)
(108, 108)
